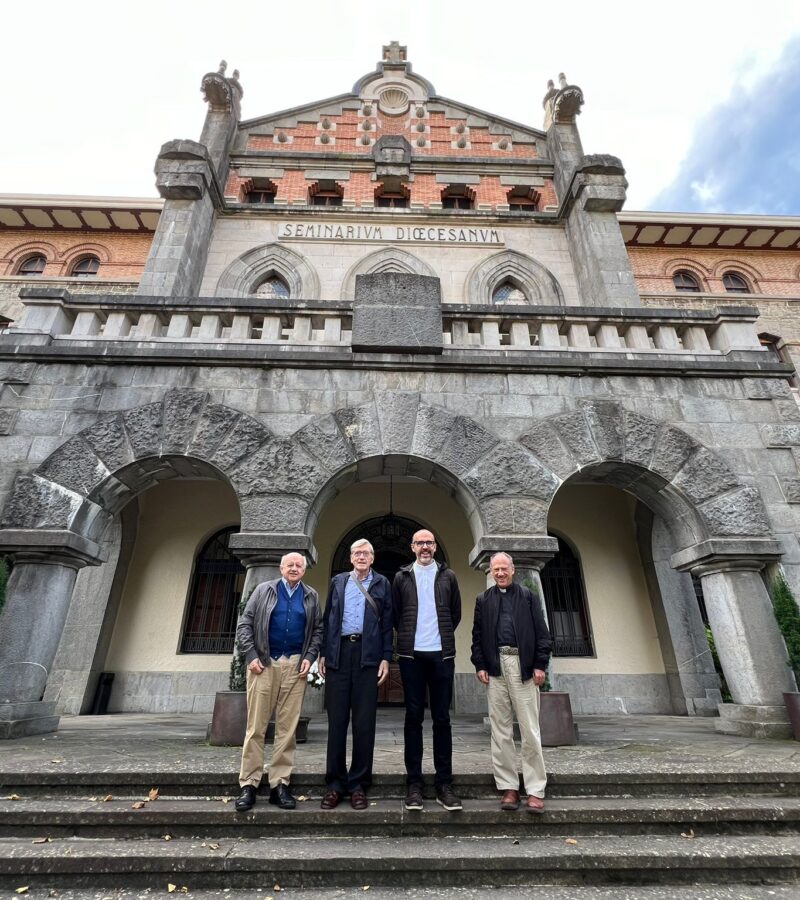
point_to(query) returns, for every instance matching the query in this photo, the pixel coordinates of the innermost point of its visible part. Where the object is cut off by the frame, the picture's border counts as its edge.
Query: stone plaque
(395, 312)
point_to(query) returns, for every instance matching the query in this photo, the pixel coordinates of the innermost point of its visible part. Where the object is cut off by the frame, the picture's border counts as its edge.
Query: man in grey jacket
(279, 633)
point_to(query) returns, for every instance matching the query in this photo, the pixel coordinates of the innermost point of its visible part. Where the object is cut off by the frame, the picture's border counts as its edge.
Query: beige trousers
(279, 689)
(508, 694)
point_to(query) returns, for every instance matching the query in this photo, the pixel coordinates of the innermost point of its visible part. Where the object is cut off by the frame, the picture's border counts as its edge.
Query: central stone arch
(390, 259)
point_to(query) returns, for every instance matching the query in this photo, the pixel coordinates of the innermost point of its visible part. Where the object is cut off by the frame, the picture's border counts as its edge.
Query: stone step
(212, 818)
(296, 862)
(665, 782)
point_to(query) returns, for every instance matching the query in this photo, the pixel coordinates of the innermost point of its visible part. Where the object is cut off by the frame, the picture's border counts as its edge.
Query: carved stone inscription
(414, 234)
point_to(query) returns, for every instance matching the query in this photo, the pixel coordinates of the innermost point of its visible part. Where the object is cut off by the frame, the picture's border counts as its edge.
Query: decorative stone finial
(394, 52)
(222, 94)
(561, 104)
(222, 67)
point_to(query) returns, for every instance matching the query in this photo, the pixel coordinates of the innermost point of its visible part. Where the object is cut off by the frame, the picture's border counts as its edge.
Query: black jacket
(376, 639)
(533, 635)
(405, 604)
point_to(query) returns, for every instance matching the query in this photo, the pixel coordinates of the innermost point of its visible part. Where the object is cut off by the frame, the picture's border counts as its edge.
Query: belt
(509, 651)
(351, 637)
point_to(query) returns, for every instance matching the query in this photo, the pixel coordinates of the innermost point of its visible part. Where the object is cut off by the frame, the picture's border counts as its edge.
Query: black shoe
(446, 798)
(414, 797)
(247, 799)
(281, 797)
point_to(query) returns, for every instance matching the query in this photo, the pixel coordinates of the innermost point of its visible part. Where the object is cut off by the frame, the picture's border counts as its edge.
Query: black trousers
(351, 693)
(428, 670)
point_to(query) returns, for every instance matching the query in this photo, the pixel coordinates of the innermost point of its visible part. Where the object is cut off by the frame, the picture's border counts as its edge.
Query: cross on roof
(394, 53)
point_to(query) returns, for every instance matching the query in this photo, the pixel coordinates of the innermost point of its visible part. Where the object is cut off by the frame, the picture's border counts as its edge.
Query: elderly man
(510, 651)
(427, 609)
(279, 633)
(356, 651)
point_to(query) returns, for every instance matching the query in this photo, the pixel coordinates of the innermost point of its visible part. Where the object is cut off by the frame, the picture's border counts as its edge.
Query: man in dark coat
(510, 651)
(427, 610)
(355, 656)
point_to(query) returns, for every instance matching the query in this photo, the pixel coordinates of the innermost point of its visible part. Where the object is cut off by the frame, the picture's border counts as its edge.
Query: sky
(700, 99)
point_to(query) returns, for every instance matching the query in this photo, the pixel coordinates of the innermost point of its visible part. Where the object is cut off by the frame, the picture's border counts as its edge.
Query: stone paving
(607, 744)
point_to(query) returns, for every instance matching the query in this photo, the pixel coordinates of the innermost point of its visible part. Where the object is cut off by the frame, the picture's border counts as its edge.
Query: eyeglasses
(361, 553)
(424, 543)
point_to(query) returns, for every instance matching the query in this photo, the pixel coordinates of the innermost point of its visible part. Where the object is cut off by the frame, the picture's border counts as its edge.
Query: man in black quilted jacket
(427, 609)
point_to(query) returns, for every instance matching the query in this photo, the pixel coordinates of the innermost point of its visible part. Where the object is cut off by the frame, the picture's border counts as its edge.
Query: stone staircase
(79, 832)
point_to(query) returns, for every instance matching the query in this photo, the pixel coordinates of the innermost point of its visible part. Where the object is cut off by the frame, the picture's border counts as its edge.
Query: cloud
(745, 154)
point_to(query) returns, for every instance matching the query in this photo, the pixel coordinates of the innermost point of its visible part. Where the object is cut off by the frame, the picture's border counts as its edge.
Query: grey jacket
(252, 630)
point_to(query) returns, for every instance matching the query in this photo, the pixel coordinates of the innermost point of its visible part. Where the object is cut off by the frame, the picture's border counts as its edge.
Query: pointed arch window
(565, 600)
(273, 288)
(217, 582)
(508, 292)
(33, 266)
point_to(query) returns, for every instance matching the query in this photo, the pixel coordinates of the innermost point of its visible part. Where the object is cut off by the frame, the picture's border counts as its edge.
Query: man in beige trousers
(511, 647)
(279, 633)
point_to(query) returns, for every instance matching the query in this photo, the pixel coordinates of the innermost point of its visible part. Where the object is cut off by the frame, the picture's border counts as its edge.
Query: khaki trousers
(508, 694)
(279, 689)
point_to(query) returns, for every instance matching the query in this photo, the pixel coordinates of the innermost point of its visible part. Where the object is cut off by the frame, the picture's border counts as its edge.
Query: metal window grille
(566, 604)
(214, 602)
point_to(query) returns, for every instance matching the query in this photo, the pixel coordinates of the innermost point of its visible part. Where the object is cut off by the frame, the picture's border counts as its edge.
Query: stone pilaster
(46, 564)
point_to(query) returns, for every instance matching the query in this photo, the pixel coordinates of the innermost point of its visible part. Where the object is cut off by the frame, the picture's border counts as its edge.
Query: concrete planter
(555, 719)
(792, 701)
(229, 721)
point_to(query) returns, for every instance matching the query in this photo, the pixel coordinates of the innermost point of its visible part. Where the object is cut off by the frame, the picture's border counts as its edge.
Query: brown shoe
(534, 804)
(358, 800)
(331, 799)
(509, 801)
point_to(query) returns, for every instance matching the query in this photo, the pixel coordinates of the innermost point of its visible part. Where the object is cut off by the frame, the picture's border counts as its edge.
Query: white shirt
(427, 637)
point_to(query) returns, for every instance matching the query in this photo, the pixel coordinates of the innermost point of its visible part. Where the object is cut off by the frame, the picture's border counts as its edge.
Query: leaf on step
(56, 760)
(152, 794)
(140, 804)
(171, 888)
(688, 834)
(107, 798)
(302, 798)
(365, 888)
(213, 846)
(570, 841)
(167, 837)
(22, 890)
(13, 797)
(225, 799)
(44, 840)
(515, 841)
(277, 888)
(184, 889)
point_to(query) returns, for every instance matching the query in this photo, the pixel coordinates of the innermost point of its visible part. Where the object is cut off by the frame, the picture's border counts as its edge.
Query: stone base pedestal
(22, 719)
(754, 721)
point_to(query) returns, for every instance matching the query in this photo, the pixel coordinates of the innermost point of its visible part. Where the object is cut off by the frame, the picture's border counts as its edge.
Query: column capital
(727, 555)
(528, 551)
(262, 548)
(50, 547)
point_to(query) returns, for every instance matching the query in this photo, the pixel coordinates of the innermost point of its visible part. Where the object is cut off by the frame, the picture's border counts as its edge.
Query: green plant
(787, 615)
(723, 685)
(3, 581)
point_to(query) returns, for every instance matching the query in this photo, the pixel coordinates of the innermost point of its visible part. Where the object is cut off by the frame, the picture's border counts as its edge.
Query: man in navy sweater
(279, 633)
(356, 651)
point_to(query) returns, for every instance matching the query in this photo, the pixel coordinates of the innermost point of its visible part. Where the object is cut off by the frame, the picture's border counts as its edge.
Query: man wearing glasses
(427, 610)
(356, 651)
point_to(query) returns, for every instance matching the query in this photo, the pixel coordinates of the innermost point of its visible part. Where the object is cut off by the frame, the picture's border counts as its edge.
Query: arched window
(735, 283)
(33, 266)
(508, 292)
(273, 288)
(685, 282)
(217, 583)
(87, 267)
(565, 600)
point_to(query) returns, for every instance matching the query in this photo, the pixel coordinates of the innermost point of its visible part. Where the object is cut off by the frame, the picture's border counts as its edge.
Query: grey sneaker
(414, 797)
(446, 798)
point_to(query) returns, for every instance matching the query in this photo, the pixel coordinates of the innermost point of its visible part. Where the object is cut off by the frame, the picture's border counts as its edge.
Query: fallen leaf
(56, 760)
(688, 834)
(570, 841)
(153, 794)
(226, 799)
(184, 890)
(302, 798)
(515, 841)
(276, 888)
(171, 888)
(92, 799)
(140, 804)
(365, 888)
(44, 840)
(167, 837)
(22, 890)
(14, 797)
(107, 798)
(213, 846)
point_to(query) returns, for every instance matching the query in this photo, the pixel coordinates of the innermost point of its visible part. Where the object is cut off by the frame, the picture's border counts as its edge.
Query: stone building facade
(382, 311)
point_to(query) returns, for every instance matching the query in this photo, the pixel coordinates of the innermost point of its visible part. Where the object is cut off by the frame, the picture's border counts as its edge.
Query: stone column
(261, 554)
(45, 567)
(750, 648)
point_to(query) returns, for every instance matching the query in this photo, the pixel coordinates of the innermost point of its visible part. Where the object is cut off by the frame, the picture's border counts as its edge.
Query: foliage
(787, 615)
(237, 680)
(3, 581)
(723, 685)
